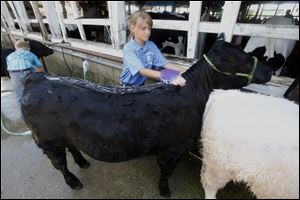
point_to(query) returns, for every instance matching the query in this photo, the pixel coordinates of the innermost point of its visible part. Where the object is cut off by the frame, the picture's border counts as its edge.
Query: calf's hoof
(74, 183)
(78, 187)
(165, 193)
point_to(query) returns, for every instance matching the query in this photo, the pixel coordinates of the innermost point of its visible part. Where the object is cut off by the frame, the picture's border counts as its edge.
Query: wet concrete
(27, 173)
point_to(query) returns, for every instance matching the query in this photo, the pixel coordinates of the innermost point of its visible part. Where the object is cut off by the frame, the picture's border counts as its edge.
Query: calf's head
(234, 68)
(39, 49)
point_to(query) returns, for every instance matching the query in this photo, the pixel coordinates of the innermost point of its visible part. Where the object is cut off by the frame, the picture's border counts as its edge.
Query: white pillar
(229, 17)
(118, 23)
(52, 18)
(58, 10)
(5, 14)
(194, 19)
(78, 21)
(19, 5)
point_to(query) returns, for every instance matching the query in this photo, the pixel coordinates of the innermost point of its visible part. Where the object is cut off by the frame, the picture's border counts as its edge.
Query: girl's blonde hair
(137, 18)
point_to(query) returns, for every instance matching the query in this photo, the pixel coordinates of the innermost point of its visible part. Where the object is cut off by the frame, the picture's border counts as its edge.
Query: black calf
(116, 124)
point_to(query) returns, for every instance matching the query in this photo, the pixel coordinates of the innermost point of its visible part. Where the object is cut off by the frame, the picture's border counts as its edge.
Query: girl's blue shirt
(136, 57)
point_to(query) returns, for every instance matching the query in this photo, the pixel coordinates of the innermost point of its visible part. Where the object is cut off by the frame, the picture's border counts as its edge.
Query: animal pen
(72, 31)
(54, 18)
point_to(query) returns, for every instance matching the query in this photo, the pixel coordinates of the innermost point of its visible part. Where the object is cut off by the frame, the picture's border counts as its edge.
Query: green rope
(248, 76)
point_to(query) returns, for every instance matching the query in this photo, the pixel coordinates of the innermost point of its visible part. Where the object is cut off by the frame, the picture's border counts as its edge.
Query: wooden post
(118, 25)
(194, 19)
(61, 20)
(78, 21)
(20, 8)
(21, 25)
(7, 30)
(52, 19)
(44, 63)
(6, 15)
(229, 17)
(38, 16)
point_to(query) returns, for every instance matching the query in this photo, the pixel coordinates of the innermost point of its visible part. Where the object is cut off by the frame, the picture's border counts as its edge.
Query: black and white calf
(272, 51)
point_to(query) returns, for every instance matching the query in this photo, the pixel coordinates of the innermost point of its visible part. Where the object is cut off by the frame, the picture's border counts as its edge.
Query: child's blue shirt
(136, 57)
(21, 59)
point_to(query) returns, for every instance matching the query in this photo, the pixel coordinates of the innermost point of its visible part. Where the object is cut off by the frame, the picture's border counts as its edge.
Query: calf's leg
(78, 158)
(167, 162)
(57, 155)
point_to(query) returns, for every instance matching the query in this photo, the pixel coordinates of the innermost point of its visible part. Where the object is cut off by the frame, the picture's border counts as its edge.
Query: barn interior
(87, 39)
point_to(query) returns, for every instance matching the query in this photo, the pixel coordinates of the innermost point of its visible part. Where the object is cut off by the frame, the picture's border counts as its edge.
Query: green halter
(248, 76)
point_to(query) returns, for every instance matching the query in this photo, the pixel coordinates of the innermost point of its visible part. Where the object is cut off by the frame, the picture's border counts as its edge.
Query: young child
(140, 55)
(20, 63)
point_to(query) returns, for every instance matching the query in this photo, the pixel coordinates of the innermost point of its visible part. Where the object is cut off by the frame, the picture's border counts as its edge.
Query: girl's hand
(179, 81)
(171, 76)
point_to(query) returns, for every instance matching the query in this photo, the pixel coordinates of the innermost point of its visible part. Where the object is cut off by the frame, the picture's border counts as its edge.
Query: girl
(140, 55)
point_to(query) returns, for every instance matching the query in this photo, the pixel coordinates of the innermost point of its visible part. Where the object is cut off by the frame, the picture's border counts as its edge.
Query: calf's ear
(221, 36)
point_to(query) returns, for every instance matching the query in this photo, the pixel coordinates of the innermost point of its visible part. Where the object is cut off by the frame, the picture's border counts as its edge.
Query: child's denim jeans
(18, 82)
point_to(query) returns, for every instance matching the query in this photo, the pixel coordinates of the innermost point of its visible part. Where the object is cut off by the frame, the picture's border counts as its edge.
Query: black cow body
(116, 124)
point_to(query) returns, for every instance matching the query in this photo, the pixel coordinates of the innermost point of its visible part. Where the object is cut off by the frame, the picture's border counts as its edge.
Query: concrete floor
(27, 173)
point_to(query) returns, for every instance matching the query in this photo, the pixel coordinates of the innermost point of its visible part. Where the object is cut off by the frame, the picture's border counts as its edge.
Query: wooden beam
(209, 27)
(21, 25)
(7, 16)
(194, 19)
(258, 30)
(98, 22)
(268, 30)
(179, 25)
(78, 22)
(38, 16)
(229, 17)
(116, 10)
(4, 24)
(19, 5)
(7, 31)
(58, 10)
(52, 19)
